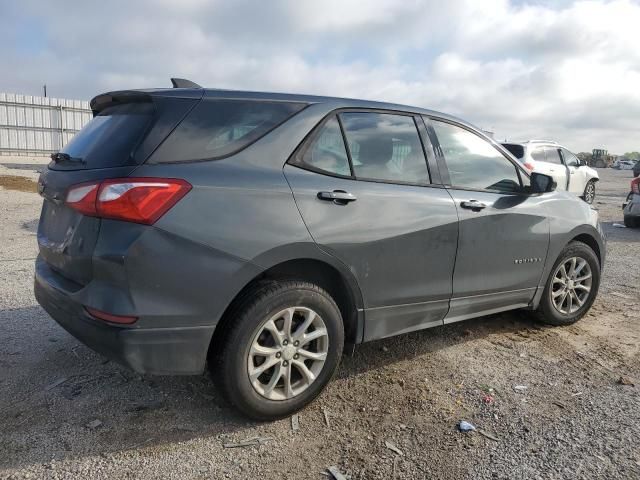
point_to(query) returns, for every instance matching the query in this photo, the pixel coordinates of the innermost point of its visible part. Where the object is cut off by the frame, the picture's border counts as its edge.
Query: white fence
(39, 125)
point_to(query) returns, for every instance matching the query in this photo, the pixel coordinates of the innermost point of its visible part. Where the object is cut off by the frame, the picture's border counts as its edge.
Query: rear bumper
(631, 207)
(180, 350)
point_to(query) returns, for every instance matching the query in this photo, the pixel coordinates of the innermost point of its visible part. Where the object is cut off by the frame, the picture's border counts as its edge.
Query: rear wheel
(589, 192)
(280, 350)
(631, 222)
(571, 287)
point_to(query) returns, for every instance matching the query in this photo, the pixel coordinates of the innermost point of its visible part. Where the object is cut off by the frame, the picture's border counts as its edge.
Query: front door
(371, 204)
(504, 233)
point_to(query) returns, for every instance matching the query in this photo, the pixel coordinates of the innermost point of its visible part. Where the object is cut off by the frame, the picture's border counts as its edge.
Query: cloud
(562, 70)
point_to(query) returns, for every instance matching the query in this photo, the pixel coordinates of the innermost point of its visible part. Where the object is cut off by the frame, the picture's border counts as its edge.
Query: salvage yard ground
(392, 410)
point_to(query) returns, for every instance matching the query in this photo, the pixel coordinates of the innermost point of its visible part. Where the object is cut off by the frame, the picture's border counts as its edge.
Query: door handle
(474, 205)
(339, 197)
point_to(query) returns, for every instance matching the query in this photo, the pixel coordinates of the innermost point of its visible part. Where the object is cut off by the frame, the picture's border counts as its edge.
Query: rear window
(111, 137)
(515, 149)
(219, 128)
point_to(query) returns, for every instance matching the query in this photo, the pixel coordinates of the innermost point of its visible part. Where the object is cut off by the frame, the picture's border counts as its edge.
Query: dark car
(631, 207)
(262, 234)
(636, 169)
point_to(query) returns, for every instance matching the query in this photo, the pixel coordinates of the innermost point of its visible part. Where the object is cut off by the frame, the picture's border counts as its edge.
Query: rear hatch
(127, 127)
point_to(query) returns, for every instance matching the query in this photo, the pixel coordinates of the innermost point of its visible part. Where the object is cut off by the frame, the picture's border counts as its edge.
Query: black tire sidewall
(239, 390)
(547, 311)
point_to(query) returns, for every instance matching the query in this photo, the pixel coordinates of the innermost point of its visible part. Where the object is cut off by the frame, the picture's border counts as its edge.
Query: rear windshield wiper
(65, 157)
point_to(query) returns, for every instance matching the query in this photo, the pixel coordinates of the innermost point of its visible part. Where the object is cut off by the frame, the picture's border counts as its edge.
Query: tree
(632, 155)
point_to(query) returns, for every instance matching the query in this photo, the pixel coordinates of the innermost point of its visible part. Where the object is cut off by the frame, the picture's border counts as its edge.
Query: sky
(561, 70)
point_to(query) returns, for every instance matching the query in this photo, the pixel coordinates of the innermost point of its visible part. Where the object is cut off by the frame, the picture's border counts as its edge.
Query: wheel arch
(340, 285)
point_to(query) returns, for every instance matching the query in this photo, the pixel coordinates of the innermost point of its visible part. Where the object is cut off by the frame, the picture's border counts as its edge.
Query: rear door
(371, 203)
(557, 169)
(503, 233)
(122, 133)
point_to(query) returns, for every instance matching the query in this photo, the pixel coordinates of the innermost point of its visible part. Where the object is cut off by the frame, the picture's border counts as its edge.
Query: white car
(551, 158)
(624, 164)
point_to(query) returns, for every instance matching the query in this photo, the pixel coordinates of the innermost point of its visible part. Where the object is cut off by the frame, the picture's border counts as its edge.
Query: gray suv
(264, 234)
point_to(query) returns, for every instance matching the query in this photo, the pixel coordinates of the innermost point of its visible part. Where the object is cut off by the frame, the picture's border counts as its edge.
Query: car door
(577, 175)
(557, 168)
(503, 232)
(371, 203)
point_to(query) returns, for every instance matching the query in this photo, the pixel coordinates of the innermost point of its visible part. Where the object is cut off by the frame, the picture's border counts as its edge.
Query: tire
(631, 222)
(547, 311)
(589, 194)
(230, 365)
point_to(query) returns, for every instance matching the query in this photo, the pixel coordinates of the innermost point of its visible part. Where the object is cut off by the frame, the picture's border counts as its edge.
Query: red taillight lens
(635, 185)
(139, 200)
(528, 166)
(110, 317)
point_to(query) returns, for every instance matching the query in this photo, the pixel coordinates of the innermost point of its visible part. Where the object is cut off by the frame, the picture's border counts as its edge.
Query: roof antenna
(183, 83)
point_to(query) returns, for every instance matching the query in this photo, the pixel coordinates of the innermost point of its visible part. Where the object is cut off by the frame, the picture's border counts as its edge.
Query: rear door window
(538, 154)
(553, 155)
(110, 138)
(219, 128)
(327, 152)
(385, 147)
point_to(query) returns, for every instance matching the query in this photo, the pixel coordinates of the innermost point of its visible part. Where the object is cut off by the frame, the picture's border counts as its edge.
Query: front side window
(569, 158)
(385, 147)
(327, 151)
(473, 162)
(553, 155)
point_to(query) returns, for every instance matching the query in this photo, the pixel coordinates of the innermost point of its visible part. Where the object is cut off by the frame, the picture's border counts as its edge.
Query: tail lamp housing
(635, 185)
(137, 200)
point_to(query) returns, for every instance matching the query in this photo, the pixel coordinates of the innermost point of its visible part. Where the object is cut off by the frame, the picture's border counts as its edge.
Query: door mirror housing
(541, 183)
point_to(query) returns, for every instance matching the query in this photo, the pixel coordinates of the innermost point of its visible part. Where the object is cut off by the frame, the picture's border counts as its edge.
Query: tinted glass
(569, 158)
(553, 155)
(217, 128)
(515, 149)
(538, 154)
(385, 147)
(110, 138)
(473, 162)
(327, 152)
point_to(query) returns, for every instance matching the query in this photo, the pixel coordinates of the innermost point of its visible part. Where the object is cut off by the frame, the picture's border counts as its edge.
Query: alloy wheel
(571, 285)
(287, 353)
(589, 192)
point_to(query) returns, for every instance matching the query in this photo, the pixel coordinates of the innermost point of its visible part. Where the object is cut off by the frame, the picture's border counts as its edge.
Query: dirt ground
(67, 412)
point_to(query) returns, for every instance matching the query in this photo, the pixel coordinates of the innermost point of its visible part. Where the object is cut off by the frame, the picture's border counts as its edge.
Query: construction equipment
(600, 158)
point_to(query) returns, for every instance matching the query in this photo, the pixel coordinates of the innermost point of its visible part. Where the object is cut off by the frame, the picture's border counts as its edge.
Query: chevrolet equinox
(262, 234)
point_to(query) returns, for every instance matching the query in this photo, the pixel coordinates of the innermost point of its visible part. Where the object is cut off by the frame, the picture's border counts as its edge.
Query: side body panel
(501, 253)
(398, 240)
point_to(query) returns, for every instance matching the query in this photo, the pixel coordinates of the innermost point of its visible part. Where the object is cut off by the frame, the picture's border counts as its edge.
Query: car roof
(336, 102)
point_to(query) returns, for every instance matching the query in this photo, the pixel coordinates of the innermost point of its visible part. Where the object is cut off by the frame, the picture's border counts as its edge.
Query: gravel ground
(66, 412)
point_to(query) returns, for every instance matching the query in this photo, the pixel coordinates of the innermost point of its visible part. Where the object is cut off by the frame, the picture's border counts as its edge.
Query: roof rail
(183, 83)
(543, 141)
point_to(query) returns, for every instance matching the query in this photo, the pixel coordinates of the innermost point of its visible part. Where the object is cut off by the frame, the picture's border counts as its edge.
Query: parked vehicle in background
(260, 234)
(550, 158)
(636, 169)
(624, 164)
(631, 207)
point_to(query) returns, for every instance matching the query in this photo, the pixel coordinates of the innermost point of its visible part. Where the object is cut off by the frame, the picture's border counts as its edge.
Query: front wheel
(590, 192)
(280, 349)
(571, 287)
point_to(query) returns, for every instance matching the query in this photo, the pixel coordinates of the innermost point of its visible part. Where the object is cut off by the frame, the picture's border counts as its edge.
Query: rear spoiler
(105, 100)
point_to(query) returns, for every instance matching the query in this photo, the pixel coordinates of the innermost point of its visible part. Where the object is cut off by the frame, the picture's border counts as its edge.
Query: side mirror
(541, 183)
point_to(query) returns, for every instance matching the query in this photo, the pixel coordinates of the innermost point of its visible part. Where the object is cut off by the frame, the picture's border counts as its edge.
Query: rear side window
(219, 128)
(538, 154)
(515, 149)
(111, 137)
(327, 152)
(553, 155)
(385, 147)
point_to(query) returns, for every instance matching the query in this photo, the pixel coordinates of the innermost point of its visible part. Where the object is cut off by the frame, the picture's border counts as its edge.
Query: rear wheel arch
(344, 292)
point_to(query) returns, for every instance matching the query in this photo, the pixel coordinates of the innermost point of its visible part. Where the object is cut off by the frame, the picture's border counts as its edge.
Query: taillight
(635, 185)
(139, 200)
(110, 317)
(528, 166)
